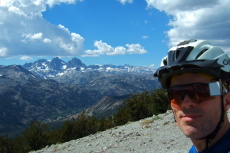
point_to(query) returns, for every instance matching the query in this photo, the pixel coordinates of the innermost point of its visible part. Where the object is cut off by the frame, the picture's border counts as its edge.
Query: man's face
(196, 120)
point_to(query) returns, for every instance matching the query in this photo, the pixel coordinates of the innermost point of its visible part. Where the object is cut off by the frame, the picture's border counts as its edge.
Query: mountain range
(60, 70)
(51, 90)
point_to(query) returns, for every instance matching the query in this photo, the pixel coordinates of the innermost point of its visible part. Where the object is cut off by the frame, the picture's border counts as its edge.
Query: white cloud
(125, 1)
(135, 49)
(63, 28)
(16, 11)
(3, 52)
(205, 19)
(105, 49)
(31, 37)
(152, 66)
(46, 40)
(51, 3)
(145, 37)
(26, 58)
(25, 32)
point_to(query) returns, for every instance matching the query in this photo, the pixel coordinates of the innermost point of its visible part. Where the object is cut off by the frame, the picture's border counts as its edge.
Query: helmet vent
(186, 42)
(202, 52)
(178, 52)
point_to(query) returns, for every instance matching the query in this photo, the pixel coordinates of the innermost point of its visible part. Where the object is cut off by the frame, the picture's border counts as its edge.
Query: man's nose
(188, 100)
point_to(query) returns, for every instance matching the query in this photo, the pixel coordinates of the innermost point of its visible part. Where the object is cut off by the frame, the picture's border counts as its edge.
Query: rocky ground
(157, 134)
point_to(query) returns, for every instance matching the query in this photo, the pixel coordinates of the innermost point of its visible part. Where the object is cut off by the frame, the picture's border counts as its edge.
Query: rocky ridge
(157, 134)
(107, 106)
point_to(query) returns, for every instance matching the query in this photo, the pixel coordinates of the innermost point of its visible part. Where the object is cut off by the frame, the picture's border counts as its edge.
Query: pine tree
(36, 135)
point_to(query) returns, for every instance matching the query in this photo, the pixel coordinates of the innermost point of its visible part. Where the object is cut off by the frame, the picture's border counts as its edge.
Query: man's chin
(191, 132)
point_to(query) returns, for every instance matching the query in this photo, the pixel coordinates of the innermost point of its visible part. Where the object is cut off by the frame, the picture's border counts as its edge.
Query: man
(197, 78)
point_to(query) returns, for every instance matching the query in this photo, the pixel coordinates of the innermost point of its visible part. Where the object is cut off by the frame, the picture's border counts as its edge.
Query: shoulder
(221, 146)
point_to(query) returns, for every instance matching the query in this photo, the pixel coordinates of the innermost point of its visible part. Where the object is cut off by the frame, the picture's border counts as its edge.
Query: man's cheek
(174, 105)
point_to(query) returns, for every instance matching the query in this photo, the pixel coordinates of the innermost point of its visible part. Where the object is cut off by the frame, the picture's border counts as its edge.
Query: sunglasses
(199, 92)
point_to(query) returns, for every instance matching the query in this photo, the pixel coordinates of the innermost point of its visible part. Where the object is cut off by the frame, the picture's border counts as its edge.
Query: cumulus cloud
(25, 32)
(105, 49)
(206, 19)
(125, 1)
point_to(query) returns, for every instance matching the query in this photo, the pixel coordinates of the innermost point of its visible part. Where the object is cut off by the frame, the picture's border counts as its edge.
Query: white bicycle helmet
(194, 56)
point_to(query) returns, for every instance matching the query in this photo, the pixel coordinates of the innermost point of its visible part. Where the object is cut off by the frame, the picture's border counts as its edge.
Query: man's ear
(227, 101)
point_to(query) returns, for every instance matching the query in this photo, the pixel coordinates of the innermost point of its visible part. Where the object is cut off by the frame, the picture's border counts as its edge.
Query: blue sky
(134, 32)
